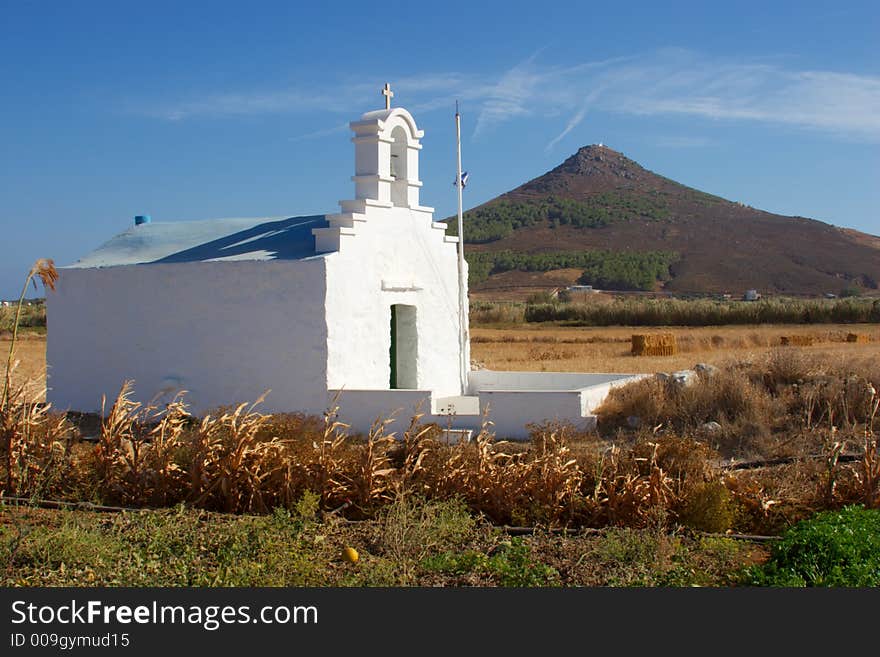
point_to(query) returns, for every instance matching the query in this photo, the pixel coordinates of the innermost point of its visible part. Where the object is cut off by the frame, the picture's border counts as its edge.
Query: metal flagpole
(462, 297)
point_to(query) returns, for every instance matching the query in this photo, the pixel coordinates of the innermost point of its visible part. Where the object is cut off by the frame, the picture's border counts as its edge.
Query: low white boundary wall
(511, 400)
(480, 380)
(361, 408)
(512, 410)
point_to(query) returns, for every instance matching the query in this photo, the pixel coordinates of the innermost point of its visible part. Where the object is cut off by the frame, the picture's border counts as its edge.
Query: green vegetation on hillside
(497, 220)
(603, 269)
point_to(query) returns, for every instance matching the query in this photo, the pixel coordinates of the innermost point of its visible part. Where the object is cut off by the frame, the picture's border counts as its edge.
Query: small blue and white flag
(464, 177)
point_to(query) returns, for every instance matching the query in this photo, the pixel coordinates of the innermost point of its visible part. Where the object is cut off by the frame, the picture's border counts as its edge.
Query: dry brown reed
(369, 481)
(35, 443)
(134, 457)
(230, 463)
(669, 470)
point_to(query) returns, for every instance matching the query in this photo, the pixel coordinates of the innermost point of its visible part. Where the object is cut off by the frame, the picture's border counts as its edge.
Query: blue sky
(198, 110)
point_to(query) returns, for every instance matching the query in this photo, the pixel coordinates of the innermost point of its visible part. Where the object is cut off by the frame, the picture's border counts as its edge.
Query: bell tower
(386, 176)
(386, 144)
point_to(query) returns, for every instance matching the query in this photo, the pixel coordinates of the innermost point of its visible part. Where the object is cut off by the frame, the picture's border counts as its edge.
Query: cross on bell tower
(388, 95)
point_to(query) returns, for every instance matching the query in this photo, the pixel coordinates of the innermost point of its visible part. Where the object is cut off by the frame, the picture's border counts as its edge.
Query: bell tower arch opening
(399, 166)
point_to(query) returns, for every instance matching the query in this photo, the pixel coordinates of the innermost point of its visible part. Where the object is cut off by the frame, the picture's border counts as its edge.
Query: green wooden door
(393, 383)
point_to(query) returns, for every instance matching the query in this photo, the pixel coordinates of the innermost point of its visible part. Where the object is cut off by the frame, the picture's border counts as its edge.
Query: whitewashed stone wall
(396, 257)
(224, 331)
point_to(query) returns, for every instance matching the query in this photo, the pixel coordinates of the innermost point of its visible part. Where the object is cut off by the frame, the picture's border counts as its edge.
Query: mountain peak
(592, 149)
(598, 159)
(593, 168)
(600, 199)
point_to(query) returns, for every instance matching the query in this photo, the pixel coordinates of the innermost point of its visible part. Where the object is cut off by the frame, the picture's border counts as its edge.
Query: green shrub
(710, 508)
(707, 312)
(33, 316)
(834, 548)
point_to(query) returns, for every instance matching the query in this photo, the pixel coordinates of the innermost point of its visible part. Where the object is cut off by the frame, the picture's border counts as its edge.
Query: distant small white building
(359, 306)
(751, 295)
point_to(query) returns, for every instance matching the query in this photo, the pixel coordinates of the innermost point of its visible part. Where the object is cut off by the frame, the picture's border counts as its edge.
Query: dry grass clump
(822, 391)
(811, 418)
(770, 407)
(742, 410)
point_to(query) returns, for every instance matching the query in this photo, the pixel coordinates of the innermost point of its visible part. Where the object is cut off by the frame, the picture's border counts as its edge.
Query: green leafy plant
(834, 548)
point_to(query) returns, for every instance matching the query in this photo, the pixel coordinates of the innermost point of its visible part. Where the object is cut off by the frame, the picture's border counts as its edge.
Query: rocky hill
(603, 219)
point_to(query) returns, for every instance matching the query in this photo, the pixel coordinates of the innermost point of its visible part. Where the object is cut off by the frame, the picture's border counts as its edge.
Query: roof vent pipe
(141, 219)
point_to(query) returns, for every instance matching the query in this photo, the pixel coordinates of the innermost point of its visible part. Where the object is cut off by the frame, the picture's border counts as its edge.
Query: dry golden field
(607, 349)
(30, 351)
(590, 349)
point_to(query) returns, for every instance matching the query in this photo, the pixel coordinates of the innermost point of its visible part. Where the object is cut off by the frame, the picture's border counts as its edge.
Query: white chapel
(361, 307)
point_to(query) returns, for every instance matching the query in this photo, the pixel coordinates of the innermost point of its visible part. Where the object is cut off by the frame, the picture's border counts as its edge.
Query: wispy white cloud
(829, 101)
(510, 96)
(571, 125)
(666, 82)
(529, 89)
(576, 119)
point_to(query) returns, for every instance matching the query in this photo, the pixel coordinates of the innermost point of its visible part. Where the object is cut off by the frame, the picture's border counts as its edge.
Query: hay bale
(658, 344)
(858, 338)
(797, 340)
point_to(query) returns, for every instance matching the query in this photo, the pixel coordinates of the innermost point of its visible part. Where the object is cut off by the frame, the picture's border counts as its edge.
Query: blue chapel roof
(212, 240)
